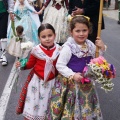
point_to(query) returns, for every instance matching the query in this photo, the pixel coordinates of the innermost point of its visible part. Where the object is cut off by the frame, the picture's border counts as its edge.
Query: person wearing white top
(6, 6)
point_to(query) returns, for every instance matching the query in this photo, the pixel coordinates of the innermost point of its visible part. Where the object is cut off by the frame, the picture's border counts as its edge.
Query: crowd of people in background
(30, 14)
(62, 48)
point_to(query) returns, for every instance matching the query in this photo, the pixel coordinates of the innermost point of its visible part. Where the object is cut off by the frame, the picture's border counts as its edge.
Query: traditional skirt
(58, 19)
(73, 101)
(33, 102)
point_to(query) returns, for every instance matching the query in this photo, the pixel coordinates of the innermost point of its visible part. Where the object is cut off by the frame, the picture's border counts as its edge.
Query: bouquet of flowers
(101, 71)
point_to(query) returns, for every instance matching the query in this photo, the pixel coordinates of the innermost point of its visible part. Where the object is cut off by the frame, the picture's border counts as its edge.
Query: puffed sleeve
(63, 59)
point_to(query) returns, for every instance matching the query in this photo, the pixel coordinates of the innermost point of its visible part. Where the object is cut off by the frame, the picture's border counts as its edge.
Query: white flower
(26, 48)
(26, 45)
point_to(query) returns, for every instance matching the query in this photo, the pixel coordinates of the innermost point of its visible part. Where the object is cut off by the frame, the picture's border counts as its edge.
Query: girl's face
(47, 37)
(80, 33)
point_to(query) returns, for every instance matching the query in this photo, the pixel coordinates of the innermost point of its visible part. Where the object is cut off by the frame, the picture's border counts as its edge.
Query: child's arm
(11, 8)
(30, 64)
(31, 9)
(46, 3)
(17, 64)
(44, 6)
(100, 44)
(64, 58)
(62, 62)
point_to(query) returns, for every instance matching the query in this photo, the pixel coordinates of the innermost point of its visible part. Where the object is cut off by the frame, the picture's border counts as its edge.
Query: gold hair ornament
(71, 17)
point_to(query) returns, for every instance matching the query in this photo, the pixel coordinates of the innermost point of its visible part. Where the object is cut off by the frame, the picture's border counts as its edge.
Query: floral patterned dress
(73, 100)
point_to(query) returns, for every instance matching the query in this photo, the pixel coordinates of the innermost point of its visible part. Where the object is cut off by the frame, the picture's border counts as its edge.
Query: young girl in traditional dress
(37, 4)
(27, 17)
(14, 48)
(37, 89)
(72, 100)
(56, 14)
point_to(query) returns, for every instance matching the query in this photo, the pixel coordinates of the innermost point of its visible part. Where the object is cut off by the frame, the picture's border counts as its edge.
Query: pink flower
(100, 60)
(83, 80)
(93, 61)
(85, 69)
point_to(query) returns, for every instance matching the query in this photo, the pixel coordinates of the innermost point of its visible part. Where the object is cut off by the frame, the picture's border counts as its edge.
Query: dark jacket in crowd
(5, 4)
(91, 9)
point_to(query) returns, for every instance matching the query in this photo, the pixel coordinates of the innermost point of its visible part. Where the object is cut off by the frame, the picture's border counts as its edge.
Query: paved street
(111, 12)
(110, 102)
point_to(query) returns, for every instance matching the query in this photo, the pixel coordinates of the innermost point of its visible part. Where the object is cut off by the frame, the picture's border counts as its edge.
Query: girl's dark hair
(19, 29)
(80, 19)
(45, 26)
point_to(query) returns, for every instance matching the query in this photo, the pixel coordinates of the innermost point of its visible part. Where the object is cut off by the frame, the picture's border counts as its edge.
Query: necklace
(84, 49)
(84, 46)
